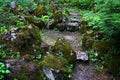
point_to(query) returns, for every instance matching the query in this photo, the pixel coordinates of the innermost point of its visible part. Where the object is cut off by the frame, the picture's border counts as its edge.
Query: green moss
(18, 10)
(101, 47)
(29, 18)
(40, 10)
(25, 75)
(1, 41)
(87, 41)
(26, 39)
(57, 16)
(55, 62)
(114, 64)
(113, 61)
(36, 21)
(68, 52)
(53, 9)
(85, 27)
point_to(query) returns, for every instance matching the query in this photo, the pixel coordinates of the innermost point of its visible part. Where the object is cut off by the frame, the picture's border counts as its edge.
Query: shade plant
(3, 70)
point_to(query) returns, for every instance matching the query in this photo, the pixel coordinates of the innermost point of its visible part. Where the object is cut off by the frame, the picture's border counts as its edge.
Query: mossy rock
(58, 17)
(29, 18)
(61, 26)
(83, 27)
(39, 23)
(40, 10)
(87, 41)
(25, 75)
(101, 47)
(114, 64)
(1, 41)
(68, 52)
(23, 70)
(25, 39)
(55, 62)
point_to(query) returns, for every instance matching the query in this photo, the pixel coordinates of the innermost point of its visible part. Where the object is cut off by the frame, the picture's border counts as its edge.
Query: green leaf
(39, 56)
(7, 71)
(1, 76)
(3, 71)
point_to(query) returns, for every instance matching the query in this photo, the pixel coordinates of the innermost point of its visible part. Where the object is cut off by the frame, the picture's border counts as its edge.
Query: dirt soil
(82, 70)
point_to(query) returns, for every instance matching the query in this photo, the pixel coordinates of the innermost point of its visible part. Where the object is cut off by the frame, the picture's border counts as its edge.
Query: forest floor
(82, 70)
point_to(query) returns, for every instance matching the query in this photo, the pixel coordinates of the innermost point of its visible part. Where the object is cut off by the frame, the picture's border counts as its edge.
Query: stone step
(74, 13)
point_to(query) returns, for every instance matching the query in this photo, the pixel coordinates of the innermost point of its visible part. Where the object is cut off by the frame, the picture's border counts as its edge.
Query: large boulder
(101, 47)
(55, 67)
(64, 48)
(60, 63)
(25, 39)
(22, 70)
(73, 22)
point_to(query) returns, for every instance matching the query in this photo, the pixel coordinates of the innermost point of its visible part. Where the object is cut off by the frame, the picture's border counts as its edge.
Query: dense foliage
(3, 70)
(107, 19)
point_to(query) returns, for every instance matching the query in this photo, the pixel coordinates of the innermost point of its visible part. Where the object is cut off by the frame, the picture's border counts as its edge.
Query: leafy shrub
(92, 55)
(3, 70)
(2, 54)
(111, 18)
(7, 19)
(98, 68)
(3, 29)
(94, 20)
(109, 6)
(82, 4)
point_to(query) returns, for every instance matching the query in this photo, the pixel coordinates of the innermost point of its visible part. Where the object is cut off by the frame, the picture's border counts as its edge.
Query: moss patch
(25, 39)
(68, 52)
(40, 10)
(114, 64)
(55, 62)
(101, 47)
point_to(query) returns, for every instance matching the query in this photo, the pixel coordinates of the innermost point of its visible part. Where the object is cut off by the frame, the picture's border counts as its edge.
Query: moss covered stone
(58, 16)
(101, 47)
(68, 52)
(25, 39)
(55, 62)
(22, 69)
(114, 64)
(84, 27)
(26, 75)
(40, 10)
(39, 23)
(87, 41)
(1, 41)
